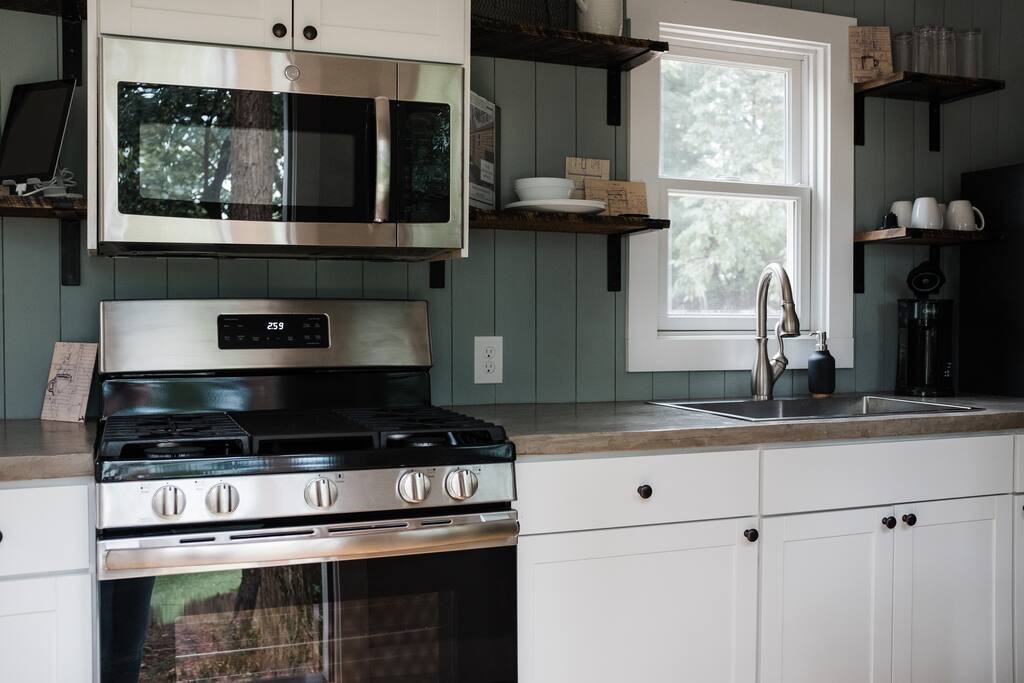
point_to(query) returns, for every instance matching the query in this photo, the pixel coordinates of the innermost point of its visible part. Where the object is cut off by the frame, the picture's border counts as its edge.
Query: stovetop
(139, 447)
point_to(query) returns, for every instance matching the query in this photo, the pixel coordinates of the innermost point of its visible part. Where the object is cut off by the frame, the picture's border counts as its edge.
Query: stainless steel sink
(815, 408)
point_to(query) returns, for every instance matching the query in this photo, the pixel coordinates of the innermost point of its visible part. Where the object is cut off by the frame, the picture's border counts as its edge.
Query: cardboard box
(579, 170)
(623, 197)
(484, 122)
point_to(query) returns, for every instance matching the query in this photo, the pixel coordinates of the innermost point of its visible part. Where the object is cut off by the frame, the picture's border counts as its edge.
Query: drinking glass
(945, 52)
(969, 53)
(903, 51)
(924, 48)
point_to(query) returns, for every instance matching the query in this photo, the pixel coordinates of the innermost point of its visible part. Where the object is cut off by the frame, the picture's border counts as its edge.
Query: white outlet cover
(487, 360)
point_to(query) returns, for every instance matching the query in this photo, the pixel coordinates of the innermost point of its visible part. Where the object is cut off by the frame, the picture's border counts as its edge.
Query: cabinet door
(224, 22)
(659, 604)
(1018, 587)
(953, 592)
(46, 629)
(826, 597)
(424, 30)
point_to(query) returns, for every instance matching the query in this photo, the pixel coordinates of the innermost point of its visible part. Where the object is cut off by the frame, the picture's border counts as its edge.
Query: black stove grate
(172, 436)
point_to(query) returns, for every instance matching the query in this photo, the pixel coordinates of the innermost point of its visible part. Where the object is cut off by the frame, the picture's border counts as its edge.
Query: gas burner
(169, 450)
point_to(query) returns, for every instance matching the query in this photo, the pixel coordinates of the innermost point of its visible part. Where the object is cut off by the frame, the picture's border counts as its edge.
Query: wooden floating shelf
(934, 89)
(41, 207)
(53, 8)
(562, 222)
(559, 46)
(914, 236)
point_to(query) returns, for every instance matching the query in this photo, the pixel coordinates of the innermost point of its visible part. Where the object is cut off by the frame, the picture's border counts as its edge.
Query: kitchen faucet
(767, 372)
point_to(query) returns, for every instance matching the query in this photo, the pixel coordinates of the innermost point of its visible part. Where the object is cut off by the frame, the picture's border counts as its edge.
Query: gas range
(209, 467)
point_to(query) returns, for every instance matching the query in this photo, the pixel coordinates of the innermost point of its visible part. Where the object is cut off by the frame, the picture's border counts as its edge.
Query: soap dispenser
(821, 369)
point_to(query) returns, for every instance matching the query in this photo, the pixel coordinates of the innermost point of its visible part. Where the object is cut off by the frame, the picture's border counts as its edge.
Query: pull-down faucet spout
(766, 372)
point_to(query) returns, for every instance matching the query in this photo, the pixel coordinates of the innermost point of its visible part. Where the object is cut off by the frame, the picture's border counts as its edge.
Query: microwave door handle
(382, 187)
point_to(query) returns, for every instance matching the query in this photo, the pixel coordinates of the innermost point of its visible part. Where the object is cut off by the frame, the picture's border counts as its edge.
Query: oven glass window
(444, 618)
(244, 155)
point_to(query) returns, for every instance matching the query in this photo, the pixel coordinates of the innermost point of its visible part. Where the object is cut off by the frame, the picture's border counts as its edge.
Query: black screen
(270, 331)
(32, 135)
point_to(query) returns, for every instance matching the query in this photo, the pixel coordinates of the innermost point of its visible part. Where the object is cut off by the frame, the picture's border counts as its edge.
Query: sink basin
(815, 408)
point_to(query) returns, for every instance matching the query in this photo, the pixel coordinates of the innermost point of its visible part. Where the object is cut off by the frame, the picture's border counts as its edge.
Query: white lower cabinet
(46, 629)
(661, 603)
(1018, 586)
(953, 592)
(826, 594)
(847, 600)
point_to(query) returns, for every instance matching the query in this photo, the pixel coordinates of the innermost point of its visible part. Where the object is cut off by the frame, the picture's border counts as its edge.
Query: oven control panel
(273, 331)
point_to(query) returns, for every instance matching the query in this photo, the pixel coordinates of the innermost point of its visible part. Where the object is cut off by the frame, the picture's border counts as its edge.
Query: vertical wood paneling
(192, 278)
(79, 306)
(383, 280)
(31, 311)
(339, 279)
(956, 117)
(868, 323)
(984, 136)
(928, 178)
(439, 306)
(291, 278)
(472, 282)
(1011, 69)
(809, 5)
(140, 278)
(707, 385)
(671, 385)
(244, 278)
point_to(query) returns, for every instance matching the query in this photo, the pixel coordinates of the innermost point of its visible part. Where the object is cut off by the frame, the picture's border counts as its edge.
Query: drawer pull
(280, 30)
(645, 491)
(751, 535)
(910, 520)
(889, 522)
(309, 33)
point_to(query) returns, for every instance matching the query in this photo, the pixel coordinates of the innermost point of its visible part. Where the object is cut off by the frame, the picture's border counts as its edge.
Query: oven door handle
(304, 545)
(382, 186)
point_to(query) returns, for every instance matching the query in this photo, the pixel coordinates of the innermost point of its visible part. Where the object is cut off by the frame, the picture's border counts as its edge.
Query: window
(741, 133)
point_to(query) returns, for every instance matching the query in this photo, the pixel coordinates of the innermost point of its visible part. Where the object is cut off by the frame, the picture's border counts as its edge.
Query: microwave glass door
(231, 154)
(421, 162)
(436, 618)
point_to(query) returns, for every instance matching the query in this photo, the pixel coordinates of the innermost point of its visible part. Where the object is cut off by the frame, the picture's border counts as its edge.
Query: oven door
(424, 601)
(211, 150)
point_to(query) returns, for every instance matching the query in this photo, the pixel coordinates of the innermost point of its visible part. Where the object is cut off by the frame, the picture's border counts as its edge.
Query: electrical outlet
(487, 357)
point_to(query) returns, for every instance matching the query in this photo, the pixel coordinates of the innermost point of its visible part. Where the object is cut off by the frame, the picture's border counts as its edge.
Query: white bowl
(539, 189)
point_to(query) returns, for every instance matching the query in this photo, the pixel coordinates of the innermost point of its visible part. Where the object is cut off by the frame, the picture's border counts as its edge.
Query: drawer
(809, 478)
(602, 492)
(1018, 463)
(45, 529)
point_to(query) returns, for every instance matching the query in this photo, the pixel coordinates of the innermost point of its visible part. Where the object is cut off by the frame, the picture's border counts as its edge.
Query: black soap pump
(821, 369)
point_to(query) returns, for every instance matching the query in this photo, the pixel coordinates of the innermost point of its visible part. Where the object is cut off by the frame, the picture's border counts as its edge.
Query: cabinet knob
(889, 522)
(645, 491)
(279, 30)
(751, 535)
(910, 520)
(309, 33)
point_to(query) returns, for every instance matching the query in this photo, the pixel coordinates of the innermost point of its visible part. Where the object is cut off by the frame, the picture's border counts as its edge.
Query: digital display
(283, 331)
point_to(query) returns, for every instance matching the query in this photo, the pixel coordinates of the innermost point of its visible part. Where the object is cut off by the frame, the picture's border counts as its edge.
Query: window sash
(798, 257)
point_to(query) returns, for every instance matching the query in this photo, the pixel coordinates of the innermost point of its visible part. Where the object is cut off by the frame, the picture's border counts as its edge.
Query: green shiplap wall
(544, 293)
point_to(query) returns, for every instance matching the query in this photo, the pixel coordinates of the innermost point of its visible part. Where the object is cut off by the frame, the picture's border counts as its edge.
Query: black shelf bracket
(70, 252)
(614, 263)
(614, 97)
(934, 123)
(858, 269)
(858, 120)
(72, 55)
(437, 274)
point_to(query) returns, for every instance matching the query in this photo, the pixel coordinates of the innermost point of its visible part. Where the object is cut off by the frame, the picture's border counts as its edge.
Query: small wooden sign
(579, 170)
(622, 197)
(69, 381)
(870, 53)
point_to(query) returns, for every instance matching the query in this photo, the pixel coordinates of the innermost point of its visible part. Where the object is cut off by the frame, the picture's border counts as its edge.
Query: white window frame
(825, 301)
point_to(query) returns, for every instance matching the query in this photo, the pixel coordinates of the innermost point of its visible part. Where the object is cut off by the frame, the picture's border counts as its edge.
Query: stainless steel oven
(213, 150)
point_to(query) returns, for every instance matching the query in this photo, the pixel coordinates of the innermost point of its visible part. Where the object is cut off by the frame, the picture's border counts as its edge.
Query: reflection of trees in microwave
(200, 152)
(253, 624)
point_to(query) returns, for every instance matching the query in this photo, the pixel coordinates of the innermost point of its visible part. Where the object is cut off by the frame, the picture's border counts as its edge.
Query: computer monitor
(34, 131)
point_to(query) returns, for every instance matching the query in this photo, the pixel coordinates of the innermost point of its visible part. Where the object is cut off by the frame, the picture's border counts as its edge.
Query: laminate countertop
(38, 449)
(577, 428)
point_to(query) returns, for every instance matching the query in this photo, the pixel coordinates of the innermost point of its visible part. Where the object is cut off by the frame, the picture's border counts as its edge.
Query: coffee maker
(924, 365)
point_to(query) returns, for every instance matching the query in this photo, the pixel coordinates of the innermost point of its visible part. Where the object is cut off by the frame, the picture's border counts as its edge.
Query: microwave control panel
(273, 331)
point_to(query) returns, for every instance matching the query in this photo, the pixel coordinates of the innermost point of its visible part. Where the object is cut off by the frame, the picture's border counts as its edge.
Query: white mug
(600, 16)
(960, 216)
(926, 215)
(902, 211)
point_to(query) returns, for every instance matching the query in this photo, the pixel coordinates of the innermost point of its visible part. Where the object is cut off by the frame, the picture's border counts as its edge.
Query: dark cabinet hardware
(645, 491)
(309, 33)
(280, 30)
(910, 520)
(751, 535)
(889, 522)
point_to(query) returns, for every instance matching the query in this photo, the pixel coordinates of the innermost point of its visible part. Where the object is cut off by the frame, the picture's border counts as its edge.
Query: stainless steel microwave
(209, 150)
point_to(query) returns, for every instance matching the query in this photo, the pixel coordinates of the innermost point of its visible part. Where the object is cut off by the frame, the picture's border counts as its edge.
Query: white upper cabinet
(953, 594)
(659, 604)
(424, 30)
(254, 23)
(826, 596)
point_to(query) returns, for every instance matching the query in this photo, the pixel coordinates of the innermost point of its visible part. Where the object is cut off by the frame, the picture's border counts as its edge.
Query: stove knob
(414, 487)
(222, 499)
(168, 502)
(461, 484)
(321, 493)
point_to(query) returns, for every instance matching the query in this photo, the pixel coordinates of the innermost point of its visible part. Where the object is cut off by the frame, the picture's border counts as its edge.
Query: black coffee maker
(924, 364)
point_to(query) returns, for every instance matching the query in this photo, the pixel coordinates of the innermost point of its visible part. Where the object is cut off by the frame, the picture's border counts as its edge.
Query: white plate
(560, 205)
